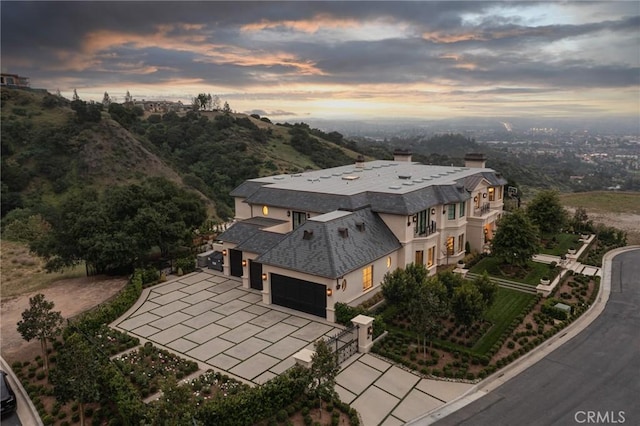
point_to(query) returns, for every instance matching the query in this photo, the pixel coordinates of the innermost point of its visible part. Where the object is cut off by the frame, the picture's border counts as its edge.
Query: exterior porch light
(264, 277)
(224, 252)
(329, 292)
(244, 262)
(433, 211)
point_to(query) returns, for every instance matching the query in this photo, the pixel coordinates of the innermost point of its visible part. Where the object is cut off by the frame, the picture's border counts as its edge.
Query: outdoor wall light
(433, 211)
(475, 198)
(329, 292)
(244, 262)
(484, 195)
(288, 213)
(224, 252)
(369, 330)
(264, 277)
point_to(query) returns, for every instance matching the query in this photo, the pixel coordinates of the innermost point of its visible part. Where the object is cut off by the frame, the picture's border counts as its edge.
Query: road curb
(530, 358)
(31, 412)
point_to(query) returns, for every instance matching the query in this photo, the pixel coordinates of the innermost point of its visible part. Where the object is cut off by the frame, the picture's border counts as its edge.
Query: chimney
(475, 160)
(360, 162)
(402, 155)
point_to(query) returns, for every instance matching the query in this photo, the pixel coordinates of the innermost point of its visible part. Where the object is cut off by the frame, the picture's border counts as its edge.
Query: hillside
(52, 146)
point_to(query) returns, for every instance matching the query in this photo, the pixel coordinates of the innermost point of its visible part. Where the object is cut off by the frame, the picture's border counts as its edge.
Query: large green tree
(516, 240)
(546, 212)
(400, 285)
(40, 322)
(427, 307)
(117, 229)
(75, 377)
(467, 304)
(487, 288)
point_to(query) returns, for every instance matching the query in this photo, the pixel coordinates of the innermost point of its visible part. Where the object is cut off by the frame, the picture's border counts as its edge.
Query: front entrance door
(235, 262)
(255, 275)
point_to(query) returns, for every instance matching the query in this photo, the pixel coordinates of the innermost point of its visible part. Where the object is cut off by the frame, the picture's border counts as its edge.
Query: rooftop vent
(350, 177)
(395, 187)
(360, 226)
(405, 177)
(360, 161)
(344, 232)
(278, 177)
(307, 235)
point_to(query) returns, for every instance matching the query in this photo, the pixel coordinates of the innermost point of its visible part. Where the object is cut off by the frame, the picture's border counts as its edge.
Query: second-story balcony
(425, 231)
(482, 210)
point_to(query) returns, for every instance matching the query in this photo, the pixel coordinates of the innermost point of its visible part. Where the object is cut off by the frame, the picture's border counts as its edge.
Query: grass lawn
(508, 305)
(564, 242)
(531, 275)
(604, 201)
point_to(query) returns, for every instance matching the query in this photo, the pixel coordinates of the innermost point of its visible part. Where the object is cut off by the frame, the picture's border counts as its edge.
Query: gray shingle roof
(387, 187)
(329, 252)
(241, 231)
(260, 242)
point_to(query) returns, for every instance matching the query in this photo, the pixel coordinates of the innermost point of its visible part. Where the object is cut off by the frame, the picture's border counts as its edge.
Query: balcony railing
(426, 231)
(482, 210)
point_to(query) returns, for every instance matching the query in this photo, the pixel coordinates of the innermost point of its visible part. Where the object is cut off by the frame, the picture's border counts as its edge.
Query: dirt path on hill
(71, 297)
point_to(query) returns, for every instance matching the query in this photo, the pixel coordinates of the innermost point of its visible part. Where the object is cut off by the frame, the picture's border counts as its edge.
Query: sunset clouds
(350, 59)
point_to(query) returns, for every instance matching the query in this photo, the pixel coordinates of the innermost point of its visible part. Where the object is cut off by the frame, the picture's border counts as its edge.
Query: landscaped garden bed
(530, 275)
(515, 324)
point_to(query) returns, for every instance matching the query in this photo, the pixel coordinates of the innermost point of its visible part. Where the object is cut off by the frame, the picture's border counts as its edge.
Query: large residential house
(313, 239)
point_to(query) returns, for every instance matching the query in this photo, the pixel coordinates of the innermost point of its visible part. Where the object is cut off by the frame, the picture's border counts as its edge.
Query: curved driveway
(592, 379)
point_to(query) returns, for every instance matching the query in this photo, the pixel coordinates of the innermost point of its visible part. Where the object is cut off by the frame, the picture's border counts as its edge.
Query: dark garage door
(305, 296)
(235, 262)
(255, 275)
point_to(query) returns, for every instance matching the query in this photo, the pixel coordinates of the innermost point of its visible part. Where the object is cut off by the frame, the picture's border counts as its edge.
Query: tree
(467, 304)
(115, 230)
(400, 285)
(323, 372)
(128, 99)
(215, 103)
(426, 308)
(106, 100)
(75, 96)
(581, 222)
(546, 212)
(40, 322)
(516, 240)
(75, 378)
(226, 109)
(175, 407)
(487, 288)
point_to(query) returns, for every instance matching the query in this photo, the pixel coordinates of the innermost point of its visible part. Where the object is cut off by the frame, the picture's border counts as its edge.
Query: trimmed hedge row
(257, 403)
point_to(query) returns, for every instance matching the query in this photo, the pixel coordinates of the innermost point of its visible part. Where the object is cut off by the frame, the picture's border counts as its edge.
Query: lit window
(430, 254)
(451, 211)
(265, 211)
(367, 277)
(419, 257)
(492, 194)
(450, 246)
(389, 262)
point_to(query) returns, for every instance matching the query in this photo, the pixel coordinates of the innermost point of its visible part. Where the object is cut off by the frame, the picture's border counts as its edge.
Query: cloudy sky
(338, 59)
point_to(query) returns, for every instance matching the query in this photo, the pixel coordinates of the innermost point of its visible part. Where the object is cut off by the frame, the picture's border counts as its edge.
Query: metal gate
(344, 344)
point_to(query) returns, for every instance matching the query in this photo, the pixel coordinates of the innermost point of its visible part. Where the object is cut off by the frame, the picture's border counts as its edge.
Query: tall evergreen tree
(516, 240)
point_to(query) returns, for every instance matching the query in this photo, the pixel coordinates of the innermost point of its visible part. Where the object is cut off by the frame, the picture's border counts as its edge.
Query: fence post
(365, 332)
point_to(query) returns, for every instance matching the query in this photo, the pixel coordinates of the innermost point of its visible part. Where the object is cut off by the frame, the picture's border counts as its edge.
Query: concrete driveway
(211, 319)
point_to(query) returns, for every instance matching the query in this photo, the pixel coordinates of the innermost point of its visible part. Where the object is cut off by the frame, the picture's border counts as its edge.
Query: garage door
(305, 296)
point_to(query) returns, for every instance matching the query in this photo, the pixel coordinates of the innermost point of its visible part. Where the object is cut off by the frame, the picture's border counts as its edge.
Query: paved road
(593, 378)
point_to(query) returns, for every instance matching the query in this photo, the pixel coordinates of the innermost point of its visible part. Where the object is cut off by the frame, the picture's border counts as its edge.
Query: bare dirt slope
(71, 297)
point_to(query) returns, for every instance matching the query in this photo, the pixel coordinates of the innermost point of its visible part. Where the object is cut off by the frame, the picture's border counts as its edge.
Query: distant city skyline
(330, 60)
